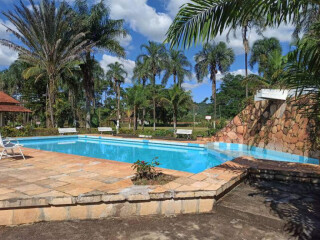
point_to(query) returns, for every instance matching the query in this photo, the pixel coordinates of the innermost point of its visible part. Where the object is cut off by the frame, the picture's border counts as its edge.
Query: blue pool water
(186, 157)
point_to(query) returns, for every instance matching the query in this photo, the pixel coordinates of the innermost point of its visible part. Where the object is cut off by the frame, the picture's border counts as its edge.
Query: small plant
(146, 170)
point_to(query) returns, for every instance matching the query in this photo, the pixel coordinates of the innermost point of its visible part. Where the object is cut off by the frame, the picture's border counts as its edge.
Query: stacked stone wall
(276, 125)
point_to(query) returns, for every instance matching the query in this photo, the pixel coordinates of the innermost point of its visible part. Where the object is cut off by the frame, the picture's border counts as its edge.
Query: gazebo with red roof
(10, 105)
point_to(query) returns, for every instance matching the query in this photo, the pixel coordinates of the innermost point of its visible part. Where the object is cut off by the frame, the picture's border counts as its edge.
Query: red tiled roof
(5, 98)
(14, 108)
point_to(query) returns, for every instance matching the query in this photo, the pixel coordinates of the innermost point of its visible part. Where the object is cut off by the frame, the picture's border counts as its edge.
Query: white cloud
(125, 41)
(127, 63)
(193, 83)
(141, 17)
(7, 56)
(188, 85)
(283, 33)
(3, 29)
(241, 72)
(173, 6)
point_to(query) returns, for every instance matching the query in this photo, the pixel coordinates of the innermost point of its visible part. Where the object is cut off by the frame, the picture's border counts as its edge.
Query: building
(9, 106)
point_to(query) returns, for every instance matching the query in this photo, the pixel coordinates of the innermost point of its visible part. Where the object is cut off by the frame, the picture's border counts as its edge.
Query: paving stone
(78, 212)
(190, 206)
(206, 205)
(149, 208)
(55, 213)
(6, 217)
(101, 211)
(23, 216)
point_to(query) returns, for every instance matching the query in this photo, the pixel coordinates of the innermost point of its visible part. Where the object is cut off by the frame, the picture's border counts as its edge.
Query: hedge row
(30, 132)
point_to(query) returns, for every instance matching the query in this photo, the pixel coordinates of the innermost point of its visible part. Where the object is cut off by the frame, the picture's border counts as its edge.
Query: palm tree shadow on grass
(298, 204)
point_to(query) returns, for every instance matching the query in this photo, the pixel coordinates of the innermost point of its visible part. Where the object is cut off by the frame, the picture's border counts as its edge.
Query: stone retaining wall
(276, 125)
(104, 210)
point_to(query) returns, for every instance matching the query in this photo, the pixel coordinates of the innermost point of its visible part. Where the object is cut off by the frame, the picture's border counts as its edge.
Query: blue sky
(149, 20)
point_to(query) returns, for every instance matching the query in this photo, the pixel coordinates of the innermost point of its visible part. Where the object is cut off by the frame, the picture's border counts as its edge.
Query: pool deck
(50, 186)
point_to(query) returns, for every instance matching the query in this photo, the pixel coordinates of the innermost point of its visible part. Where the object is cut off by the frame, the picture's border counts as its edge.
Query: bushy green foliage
(148, 132)
(146, 170)
(30, 131)
(230, 97)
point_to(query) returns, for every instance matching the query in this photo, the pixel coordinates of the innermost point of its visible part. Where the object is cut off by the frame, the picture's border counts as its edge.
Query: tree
(260, 52)
(141, 73)
(178, 66)
(302, 72)
(117, 75)
(101, 33)
(137, 97)
(267, 53)
(177, 98)
(153, 59)
(203, 20)
(49, 44)
(29, 92)
(209, 60)
(230, 97)
(251, 21)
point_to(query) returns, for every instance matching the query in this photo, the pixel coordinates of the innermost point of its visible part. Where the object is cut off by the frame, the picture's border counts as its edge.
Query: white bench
(67, 130)
(145, 136)
(184, 132)
(105, 129)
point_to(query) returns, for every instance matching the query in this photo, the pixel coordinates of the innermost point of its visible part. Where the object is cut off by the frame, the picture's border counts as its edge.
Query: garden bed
(160, 179)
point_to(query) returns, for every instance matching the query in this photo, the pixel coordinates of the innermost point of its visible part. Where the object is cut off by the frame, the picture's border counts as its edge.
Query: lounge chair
(8, 145)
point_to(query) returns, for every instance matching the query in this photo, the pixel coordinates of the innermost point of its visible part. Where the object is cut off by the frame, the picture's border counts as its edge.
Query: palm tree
(153, 59)
(49, 44)
(102, 33)
(117, 75)
(203, 20)
(141, 73)
(248, 23)
(178, 66)
(137, 97)
(211, 59)
(261, 50)
(177, 98)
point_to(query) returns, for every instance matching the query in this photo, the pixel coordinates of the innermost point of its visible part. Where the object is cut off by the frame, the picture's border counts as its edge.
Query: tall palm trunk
(88, 86)
(246, 66)
(214, 94)
(175, 118)
(174, 78)
(144, 108)
(143, 116)
(51, 95)
(71, 101)
(154, 103)
(47, 111)
(154, 113)
(118, 105)
(135, 118)
(246, 51)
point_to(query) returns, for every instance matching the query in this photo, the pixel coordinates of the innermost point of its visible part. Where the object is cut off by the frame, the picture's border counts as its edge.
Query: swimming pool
(188, 157)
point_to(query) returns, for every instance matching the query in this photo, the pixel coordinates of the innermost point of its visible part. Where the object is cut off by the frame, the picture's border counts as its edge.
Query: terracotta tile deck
(56, 175)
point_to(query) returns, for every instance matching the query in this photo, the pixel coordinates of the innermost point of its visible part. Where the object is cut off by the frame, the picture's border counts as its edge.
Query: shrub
(146, 170)
(29, 131)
